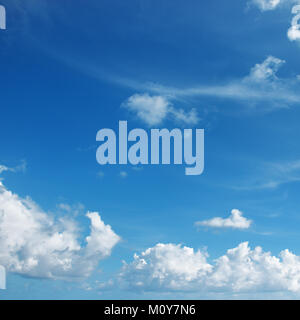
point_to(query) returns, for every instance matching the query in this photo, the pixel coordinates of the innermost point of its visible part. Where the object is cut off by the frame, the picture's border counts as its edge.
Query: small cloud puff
(153, 110)
(235, 221)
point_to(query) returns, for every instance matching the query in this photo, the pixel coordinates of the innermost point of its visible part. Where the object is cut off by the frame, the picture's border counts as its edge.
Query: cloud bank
(234, 221)
(171, 267)
(33, 244)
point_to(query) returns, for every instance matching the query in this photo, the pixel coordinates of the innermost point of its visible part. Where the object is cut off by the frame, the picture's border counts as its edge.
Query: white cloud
(235, 221)
(265, 71)
(2, 278)
(166, 266)
(170, 267)
(266, 5)
(20, 167)
(64, 207)
(32, 243)
(268, 95)
(261, 85)
(272, 175)
(153, 110)
(294, 30)
(3, 168)
(190, 117)
(150, 109)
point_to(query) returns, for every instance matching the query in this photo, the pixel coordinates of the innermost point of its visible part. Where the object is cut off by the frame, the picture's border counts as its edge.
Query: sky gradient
(72, 229)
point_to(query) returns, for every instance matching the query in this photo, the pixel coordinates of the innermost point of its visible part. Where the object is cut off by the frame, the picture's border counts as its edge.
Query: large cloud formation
(170, 267)
(34, 244)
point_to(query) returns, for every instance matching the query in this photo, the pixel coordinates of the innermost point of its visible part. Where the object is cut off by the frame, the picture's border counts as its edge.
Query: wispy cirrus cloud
(261, 86)
(272, 175)
(21, 167)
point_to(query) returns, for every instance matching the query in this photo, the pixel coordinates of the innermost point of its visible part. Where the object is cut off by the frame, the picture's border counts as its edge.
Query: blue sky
(70, 69)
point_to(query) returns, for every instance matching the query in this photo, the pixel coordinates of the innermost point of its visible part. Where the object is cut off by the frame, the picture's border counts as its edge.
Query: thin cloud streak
(282, 92)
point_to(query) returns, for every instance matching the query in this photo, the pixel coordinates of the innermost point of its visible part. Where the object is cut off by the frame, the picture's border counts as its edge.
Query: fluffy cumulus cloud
(265, 71)
(266, 5)
(166, 266)
(150, 109)
(153, 110)
(34, 244)
(235, 221)
(170, 267)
